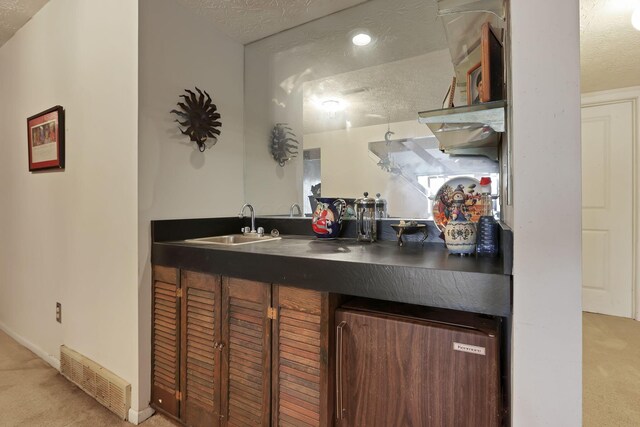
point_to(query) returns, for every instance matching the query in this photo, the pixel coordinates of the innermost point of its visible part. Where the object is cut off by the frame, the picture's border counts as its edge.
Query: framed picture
(485, 80)
(45, 136)
(474, 84)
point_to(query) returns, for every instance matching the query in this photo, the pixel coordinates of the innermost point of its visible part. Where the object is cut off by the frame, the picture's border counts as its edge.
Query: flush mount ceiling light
(333, 105)
(635, 19)
(361, 39)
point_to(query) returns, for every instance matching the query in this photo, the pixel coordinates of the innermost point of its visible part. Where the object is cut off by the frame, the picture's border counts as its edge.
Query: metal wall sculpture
(284, 145)
(199, 118)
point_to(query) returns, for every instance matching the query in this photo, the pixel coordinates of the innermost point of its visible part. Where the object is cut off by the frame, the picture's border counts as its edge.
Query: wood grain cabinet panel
(201, 308)
(234, 352)
(403, 372)
(165, 333)
(246, 366)
(296, 362)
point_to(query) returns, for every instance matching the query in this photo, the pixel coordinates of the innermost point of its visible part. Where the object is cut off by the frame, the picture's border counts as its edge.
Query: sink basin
(233, 240)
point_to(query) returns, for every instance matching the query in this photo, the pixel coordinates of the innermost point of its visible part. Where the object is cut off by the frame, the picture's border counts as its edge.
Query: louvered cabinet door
(165, 335)
(246, 362)
(201, 353)
(300, 367)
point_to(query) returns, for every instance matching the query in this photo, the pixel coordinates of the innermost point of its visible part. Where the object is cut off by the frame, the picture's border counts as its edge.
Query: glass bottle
(487, 238)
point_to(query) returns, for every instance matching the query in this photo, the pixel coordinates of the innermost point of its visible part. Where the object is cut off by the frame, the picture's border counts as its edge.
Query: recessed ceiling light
(333, 105)
(635, 19)
(361, 39)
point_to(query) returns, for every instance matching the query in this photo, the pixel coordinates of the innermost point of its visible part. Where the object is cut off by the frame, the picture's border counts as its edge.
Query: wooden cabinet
(395, 371)
(232, 352)
(302, 383)
(165, 340)
(201, 349)
(247, 334)
(186, 345)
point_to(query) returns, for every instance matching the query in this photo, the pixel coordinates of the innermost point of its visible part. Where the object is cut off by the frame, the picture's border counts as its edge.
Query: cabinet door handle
(339, 408)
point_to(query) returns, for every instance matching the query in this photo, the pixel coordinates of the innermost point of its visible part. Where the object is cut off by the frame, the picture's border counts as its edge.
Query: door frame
(615, 96)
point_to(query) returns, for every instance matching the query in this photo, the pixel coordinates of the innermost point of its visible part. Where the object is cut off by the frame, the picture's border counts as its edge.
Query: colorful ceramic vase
(327, 217)
(460, 236)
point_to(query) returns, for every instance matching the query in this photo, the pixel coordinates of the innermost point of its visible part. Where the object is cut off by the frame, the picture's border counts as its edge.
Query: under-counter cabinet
(428, 368)
(232, 352)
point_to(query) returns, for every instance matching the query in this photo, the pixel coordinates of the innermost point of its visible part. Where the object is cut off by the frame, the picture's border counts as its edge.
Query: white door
(607, 209)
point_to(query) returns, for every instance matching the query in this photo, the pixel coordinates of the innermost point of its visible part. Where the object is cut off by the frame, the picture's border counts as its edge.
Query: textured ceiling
(14, 14)
(406, 69)
(249, 20)
(386, 93)
(609, 45)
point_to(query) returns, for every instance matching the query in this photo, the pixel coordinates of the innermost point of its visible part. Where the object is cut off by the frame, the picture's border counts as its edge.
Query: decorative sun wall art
(199, 118)
(284, 145)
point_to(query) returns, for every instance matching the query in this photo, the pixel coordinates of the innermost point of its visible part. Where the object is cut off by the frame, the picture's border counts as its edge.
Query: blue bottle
(487, 227)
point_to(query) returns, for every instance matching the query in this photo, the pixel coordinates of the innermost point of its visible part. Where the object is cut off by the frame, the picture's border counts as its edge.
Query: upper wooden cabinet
(249, 353)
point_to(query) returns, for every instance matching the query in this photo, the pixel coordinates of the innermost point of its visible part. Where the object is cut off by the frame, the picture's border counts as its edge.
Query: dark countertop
(418, 274)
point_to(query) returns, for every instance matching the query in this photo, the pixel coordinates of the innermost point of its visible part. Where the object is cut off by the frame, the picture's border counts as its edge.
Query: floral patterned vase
(460, 236)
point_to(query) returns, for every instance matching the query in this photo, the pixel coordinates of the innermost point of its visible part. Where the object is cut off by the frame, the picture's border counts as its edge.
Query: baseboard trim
(137, 417)
(50, 359)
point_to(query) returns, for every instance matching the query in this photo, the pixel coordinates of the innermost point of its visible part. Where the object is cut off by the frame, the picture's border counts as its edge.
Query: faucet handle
(245, 230)
(260, 231)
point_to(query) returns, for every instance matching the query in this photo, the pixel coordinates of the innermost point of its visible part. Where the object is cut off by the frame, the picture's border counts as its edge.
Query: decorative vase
(327, 217)
(460, 236)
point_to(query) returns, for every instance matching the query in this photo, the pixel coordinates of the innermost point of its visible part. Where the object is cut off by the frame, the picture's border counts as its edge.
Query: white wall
(347, 169)
(545, 108)
(270, 188)
(71, 236)
(178, 50)
(617, 95)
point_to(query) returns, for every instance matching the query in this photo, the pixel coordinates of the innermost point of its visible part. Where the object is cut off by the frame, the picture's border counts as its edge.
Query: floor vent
(110, 390)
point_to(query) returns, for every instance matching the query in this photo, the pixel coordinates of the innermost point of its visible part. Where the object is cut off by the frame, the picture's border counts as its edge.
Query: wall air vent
(110, 390)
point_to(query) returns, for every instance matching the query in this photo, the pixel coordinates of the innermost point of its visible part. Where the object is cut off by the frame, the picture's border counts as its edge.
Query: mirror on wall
(348, 86)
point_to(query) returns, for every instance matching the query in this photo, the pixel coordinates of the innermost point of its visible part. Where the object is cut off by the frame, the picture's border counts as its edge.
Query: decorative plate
(465, 188)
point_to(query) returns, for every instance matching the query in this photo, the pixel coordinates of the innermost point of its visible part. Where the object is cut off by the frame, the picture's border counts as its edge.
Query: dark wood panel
(201, 308)
(246, 360)
(165, 339)
(165, 274)
(301, 384)
(405, 372)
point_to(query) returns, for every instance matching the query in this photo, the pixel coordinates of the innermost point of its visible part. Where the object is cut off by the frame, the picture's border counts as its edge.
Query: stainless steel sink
(233, 239)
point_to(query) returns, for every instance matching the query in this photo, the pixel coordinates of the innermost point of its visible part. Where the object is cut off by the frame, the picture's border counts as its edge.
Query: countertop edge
(486, 293)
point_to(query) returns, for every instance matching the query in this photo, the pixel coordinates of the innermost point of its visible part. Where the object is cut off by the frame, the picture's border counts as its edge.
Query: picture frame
(474, 90)
(485, 80)
(45, 139)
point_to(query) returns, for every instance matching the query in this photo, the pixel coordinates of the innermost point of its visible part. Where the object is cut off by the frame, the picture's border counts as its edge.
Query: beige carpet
(34, 394)
(611, 371)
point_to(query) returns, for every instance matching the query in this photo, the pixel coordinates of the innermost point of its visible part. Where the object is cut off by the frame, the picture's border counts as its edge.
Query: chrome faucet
(253, 216)
(297, 206)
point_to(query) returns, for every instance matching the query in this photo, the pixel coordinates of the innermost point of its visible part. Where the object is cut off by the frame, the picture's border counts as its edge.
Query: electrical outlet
(58, 312)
